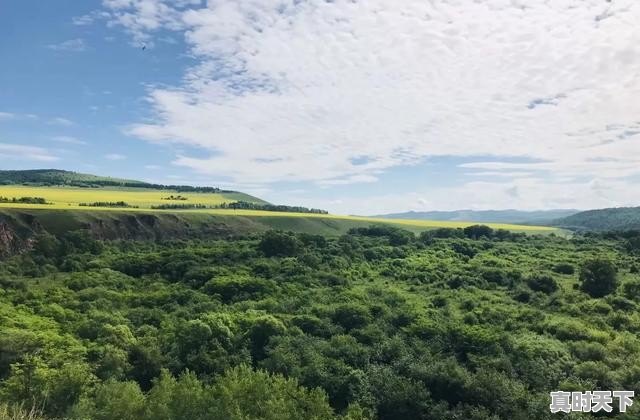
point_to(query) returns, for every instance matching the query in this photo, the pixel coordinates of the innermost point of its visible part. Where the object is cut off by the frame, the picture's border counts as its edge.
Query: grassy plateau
(143, 199)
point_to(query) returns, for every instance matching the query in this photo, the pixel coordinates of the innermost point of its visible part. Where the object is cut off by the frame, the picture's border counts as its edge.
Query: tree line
(240, 205)
(24, 200)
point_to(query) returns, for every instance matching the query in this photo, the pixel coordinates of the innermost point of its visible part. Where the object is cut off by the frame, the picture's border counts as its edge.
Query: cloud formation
(141, 17)
(64, 122)
(20, 153)
(12, 116)
(68, 140)
(7, 116)
(114, 156)
(71, 45)
(338, 92)
(521, 193)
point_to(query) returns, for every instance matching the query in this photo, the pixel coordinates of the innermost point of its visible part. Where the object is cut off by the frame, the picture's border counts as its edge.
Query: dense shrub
(279, 244)
(631, 289)
(442, 328)
(564, 268)
(238, 288)
(542, 283)
(478, 231)
(598, 277)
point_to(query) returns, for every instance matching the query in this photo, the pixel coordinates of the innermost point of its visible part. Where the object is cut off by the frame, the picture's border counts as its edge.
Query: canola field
(70, 197)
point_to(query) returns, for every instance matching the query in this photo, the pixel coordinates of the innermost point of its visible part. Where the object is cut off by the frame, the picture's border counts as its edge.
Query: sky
(357, 107)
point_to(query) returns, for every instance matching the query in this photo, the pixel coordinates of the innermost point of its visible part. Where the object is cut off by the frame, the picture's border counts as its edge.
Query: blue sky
(356, 107)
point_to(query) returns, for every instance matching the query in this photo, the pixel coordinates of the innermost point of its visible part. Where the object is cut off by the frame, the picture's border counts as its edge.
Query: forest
(56, 177)
(377, 323)
(612, 219)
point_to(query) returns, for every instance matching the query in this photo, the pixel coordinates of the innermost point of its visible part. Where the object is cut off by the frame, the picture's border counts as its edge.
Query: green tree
(279, 244)
(542, 283)
(478, 231)
(598, 277)
(246, 394)
(174, 399)
(111, 400)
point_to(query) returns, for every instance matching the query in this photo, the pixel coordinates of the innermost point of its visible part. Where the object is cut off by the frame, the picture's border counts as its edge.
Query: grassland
(415, 225)
(70, 198)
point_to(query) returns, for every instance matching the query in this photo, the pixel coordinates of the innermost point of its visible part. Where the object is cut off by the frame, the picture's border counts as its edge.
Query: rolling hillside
(541, 217)
(55, 202)
(621, 218)
(58, 177)
(64, 189)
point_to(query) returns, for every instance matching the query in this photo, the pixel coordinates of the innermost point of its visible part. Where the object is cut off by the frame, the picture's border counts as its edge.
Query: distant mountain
(621, 218)
(540, 217)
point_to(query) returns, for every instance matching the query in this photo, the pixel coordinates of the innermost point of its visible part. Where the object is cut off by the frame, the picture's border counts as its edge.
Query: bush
(478, 231)
(351, 316)
(495, 275)
(585, 351)
(396, 236)
(279, 244)
(631, 289)
(237, 288)
(244, 394)
(464, 248)
(598, 277)
(428, 235)
(542, 283)
(110, 401)
(564, 268)
(522, 294)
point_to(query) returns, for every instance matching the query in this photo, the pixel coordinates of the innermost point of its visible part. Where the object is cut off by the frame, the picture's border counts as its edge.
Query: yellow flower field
(65, 197)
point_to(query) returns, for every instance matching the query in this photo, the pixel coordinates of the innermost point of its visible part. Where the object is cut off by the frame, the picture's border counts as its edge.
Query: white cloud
(301, 90)
(71, 45)
(68, 140)
(89, 18)
(522, 194)
(139, 17)
(61, 121)
(20, 152)
(493, 174)
(83, 20)
(8, 116)
(354, 179)
(114, 156)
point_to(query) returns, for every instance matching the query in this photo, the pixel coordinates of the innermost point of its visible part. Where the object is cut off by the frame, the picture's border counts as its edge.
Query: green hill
(44, 177)
(539, 217)
(38, 178)
(58, 177)
(18, 226)
(620, 218)
(54, 201)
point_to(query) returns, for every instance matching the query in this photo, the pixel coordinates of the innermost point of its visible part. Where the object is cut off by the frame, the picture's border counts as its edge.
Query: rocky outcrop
(10, 242)
(18, 228)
